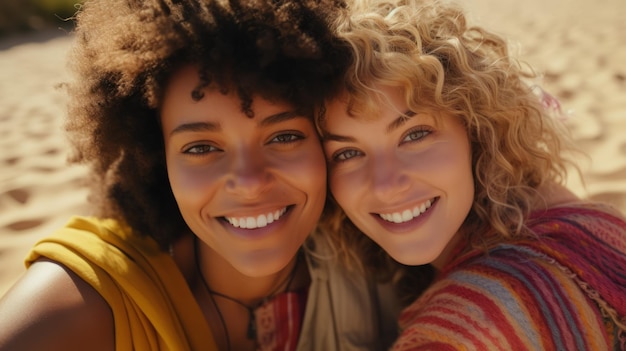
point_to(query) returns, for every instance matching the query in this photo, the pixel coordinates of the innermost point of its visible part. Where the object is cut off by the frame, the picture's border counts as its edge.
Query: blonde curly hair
(427, 49)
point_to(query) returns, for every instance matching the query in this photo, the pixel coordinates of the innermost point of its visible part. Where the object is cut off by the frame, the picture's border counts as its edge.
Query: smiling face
(251, 189)
(403, 178)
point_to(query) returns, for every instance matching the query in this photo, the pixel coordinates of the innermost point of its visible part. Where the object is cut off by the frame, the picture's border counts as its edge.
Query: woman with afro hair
(197, 120)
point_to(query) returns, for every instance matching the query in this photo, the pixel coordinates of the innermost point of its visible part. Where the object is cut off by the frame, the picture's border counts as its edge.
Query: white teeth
(261, 221)
(417, 211)
(250, 223)
(256, 222)
(406, 215)
(397, 218)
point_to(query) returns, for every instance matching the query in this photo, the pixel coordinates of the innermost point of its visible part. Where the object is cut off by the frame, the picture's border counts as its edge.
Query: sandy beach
(579, 46)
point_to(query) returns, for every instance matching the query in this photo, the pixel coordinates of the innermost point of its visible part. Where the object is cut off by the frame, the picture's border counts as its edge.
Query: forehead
(180, 84)
(185, 82)
(371, 104)
(390, 110)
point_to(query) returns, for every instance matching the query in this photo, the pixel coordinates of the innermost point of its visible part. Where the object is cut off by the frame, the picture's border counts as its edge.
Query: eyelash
(341, 155)
(202, 149)
(205, 149)
(422, 130)
(293, 137)
(336, 157)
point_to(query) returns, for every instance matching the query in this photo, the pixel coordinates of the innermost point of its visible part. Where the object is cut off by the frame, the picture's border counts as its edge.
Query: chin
(263, 266)
(410, 260)
(411, 256)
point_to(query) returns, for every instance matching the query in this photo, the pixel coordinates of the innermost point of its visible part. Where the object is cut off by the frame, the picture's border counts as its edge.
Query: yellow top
(154, 309)
(152, 305)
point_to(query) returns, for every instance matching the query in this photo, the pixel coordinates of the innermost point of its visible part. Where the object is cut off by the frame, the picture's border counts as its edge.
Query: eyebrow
(395, 124)
(215, 127)
(401, 120)
(196, 127)
(280, 117)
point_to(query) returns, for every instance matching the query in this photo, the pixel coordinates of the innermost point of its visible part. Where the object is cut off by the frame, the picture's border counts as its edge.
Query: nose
(388, 178)
(250, 174)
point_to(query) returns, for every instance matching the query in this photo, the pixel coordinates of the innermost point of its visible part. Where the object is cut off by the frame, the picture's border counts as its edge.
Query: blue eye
(416, 134)
(345, 155)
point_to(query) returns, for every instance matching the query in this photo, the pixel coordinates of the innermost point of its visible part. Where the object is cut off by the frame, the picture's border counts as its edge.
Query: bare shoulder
(52, 308)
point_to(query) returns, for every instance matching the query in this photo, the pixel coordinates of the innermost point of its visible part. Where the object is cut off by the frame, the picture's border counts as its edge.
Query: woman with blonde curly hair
(196, 118)
(444, 155)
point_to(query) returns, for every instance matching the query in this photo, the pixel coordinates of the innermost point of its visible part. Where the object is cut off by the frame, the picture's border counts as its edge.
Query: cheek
(346, 188)
(304, 174)
(316, 182)
(306, 170)
(456, 178)
(447, 164)
(459, 183)
(191, 185)
(467, 190)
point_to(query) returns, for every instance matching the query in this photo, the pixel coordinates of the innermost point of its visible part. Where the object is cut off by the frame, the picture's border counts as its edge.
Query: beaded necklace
(251, 330)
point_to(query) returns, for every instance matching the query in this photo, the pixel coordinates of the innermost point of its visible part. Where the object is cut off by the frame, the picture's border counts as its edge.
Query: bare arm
(51, 308)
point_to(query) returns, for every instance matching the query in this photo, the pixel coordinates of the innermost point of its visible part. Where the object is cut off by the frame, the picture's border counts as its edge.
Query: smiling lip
(258, 221)
(409, 214)
(248, 227)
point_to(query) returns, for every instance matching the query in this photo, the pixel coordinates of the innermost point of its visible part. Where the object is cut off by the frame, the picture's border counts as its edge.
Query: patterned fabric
(279, 321)
(564, 289)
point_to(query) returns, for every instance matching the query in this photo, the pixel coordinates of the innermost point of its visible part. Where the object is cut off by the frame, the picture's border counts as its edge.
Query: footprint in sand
(11, 161)
(25, 224)
(21, 196)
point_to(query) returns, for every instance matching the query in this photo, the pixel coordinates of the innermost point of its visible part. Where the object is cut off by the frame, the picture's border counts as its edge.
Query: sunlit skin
(403, 178)
(251, 189)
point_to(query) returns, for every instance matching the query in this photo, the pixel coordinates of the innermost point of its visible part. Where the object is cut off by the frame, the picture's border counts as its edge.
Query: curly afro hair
(123, 54)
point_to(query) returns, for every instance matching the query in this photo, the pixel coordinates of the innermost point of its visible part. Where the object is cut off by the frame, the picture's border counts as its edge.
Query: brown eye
(200, 149)
(286, 138)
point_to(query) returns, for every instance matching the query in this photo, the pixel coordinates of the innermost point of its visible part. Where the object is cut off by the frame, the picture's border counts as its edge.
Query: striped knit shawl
(590, 243)
(517, 297)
